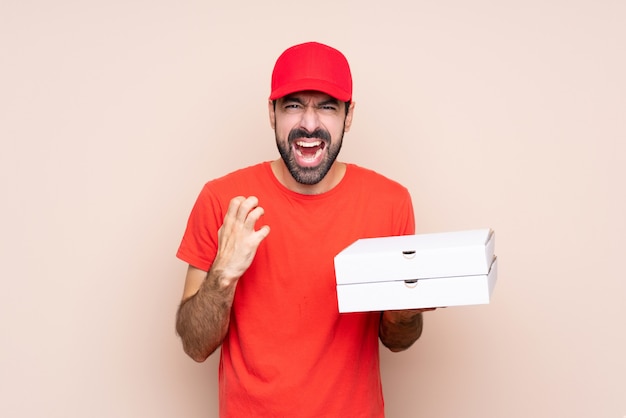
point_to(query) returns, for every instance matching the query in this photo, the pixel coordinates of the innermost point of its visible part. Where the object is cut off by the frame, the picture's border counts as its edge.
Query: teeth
(308, 144)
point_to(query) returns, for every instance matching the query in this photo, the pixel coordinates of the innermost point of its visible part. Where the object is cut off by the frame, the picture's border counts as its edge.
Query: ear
(272, 113)
(349, 116)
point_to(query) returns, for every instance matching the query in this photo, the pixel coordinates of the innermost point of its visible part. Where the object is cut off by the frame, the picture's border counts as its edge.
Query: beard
(309, 175)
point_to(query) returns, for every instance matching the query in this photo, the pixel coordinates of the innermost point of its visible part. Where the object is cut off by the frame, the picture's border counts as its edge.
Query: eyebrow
(296, 99)
(293, 99)
(330, 101)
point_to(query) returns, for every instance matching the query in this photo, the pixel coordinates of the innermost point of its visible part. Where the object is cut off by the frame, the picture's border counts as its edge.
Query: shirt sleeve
(405, 216)
(199, 243)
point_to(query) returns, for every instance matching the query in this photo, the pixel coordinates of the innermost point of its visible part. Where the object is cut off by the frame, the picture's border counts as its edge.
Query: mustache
(301, 133)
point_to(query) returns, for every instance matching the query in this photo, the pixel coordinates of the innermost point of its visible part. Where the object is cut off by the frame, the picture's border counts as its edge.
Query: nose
(310, 119)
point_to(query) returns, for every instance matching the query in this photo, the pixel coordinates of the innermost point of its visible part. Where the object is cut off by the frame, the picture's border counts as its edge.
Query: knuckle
(250, 203)
(237, 200)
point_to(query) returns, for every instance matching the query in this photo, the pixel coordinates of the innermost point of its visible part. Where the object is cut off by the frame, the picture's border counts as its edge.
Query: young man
(260, 244)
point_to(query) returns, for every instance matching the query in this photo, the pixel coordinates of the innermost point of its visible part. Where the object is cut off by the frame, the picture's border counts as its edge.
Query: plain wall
(501, 114)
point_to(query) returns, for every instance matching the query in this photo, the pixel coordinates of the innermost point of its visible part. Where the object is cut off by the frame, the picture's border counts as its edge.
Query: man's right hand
(238, 240)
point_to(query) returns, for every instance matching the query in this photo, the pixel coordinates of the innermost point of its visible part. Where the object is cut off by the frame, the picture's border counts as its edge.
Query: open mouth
(309, 152)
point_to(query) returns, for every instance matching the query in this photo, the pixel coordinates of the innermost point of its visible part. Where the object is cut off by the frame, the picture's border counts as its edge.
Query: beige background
(501, 114)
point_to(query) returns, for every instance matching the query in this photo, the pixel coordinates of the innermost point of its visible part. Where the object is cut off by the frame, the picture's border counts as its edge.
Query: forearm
(400, 329)
(202, 319)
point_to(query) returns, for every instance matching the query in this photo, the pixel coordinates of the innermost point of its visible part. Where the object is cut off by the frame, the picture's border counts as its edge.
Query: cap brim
(311, 85)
